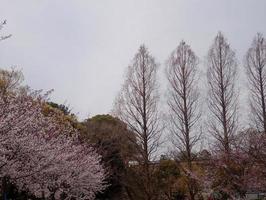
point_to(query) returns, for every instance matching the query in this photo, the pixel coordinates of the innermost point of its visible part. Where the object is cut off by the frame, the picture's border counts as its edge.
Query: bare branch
(2, 24)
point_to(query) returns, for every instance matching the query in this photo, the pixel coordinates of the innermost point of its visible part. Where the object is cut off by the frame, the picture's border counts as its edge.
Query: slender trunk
(52, 196)
(188, 149)
(224, 105)
(129, 195)
(145, 134)
(4, 188)
(191, 194)
(43, 196)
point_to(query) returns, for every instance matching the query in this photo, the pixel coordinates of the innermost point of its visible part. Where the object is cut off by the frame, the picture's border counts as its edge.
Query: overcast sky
(81, 48)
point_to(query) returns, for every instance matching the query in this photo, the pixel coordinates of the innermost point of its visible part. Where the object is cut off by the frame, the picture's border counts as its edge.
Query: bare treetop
(137, 104)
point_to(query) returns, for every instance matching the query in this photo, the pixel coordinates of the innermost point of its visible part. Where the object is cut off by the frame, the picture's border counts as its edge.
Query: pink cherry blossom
(42, 156)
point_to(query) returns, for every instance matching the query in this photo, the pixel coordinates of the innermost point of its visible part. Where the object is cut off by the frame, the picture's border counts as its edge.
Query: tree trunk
(4, 188)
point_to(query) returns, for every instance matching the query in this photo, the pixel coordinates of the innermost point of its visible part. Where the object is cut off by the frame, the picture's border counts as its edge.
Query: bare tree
(137, 105)
(223, 117)
(255, 63)
(222, 98)
(183, 104)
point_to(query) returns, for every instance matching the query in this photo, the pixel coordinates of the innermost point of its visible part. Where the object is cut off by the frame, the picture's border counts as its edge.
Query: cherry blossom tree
(41, 156)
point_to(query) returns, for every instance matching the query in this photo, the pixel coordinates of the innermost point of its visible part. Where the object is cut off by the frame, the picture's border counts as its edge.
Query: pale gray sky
(80, 48)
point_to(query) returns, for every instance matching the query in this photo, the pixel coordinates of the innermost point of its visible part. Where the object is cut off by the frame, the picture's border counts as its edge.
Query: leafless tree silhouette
(137, 105)
(184, 113)
(222, 98)
(255, 63)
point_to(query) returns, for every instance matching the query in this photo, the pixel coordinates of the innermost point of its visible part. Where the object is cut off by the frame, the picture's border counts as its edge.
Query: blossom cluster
(43, 157)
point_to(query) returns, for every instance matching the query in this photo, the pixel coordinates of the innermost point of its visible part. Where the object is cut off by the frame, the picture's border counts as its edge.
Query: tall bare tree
(183, 104)
(255, 63)
(137, 105)
(222, 98)
(223, 117)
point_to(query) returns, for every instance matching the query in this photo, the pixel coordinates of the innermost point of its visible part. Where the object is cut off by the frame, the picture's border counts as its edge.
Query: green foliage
(105, 119)
(168, 169)
(65, 109)
(112, 139)
(168, 177)
(108, 128)
(62, 115)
